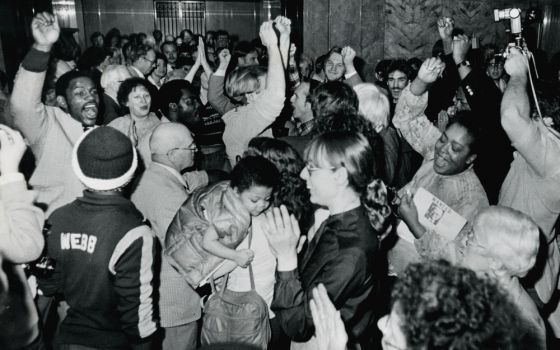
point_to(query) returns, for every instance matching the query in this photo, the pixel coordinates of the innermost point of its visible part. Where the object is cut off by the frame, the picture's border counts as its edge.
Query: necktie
(133, 133)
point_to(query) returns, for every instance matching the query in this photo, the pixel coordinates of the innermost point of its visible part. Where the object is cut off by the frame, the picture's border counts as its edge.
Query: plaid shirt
(303, 129)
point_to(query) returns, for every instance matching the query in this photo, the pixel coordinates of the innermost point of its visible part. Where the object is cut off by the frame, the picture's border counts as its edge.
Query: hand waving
(45, 30)
(431, 70)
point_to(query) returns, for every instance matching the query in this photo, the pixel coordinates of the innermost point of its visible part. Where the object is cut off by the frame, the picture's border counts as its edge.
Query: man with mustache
(52, 131)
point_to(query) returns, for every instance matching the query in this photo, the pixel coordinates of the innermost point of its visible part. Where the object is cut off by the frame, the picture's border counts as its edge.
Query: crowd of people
(149, 175)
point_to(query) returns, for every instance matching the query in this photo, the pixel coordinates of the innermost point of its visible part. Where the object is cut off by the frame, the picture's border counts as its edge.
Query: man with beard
(52, 131)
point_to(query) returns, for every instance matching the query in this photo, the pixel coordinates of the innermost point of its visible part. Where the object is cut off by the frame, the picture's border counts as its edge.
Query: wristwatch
(463, 63)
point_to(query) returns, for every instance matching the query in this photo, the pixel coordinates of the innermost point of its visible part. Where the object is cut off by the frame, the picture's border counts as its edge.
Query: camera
(514, 16)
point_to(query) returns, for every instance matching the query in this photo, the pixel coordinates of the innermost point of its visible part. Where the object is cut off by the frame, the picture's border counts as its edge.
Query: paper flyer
(435, 215)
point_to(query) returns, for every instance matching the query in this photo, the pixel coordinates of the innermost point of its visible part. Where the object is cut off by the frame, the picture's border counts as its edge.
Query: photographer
(531, 185)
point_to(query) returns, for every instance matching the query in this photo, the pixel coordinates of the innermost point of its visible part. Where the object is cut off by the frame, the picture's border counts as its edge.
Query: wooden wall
(380, 29)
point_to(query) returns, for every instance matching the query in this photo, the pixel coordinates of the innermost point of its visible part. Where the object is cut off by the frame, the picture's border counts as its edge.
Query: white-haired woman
(504, 244)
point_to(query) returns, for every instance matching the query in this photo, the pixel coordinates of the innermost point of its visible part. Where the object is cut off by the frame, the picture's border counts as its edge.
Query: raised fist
(268, 35)
(45, 29)
(348, 55)
(516, 63)
(283, 24)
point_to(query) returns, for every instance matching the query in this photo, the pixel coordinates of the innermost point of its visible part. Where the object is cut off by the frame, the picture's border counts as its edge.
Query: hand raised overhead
(431, 70)
(45, 30)
(283, 24)
(268, 35)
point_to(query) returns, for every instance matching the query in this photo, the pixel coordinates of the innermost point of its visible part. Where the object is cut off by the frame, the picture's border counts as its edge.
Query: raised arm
(216, 96)
(283, 24)
(445, 30)
(351, 76)
(29, 113)
(293, 73)
(409, 114)
(203, 58)
(516, 111)
(275, 80)
(192, 72)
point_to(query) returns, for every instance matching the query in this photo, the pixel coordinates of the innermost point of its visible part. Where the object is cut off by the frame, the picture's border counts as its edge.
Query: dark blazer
(341, 256)
(111, 109)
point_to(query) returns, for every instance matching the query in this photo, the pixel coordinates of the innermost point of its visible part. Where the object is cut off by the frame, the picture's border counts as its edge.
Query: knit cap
(104, 159)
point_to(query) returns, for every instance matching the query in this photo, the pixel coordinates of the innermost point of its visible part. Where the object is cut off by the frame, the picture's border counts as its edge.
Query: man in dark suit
(111, 80)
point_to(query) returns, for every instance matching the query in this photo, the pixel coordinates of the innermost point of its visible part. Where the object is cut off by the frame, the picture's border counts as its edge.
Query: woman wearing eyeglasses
(134, 95)
(342, 249)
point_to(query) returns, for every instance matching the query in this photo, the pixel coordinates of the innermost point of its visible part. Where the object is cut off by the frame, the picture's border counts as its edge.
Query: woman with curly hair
(139, 123)
(292, 191)
(438, 306)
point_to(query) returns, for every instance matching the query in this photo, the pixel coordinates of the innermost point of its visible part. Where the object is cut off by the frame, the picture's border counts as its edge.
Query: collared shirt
(136, 72)
(154, 83)
(305, 128)
(191, 180)
(175, 173)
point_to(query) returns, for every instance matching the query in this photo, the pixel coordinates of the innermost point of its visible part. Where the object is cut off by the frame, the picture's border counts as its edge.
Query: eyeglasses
(310, 168)
(496, 65)
(151, 62)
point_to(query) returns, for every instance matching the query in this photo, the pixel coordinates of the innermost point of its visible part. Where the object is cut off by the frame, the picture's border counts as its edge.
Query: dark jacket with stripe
(104, 271)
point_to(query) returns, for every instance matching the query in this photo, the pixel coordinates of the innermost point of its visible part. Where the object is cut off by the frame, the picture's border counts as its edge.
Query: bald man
(111, 80)
(160, 193)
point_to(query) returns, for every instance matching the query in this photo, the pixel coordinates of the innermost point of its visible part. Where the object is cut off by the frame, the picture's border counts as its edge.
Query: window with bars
(173, 16)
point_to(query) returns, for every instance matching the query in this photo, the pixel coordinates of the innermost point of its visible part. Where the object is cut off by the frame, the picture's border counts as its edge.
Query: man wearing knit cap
(103, 251)
(52, 131)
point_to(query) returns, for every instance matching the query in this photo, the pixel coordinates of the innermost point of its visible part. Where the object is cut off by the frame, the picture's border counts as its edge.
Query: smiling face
(256, 199)
(82, 100)
(139, 102)
(334, 67)
(396, 81)
(452, 151)
(495, 70)
(321, 183)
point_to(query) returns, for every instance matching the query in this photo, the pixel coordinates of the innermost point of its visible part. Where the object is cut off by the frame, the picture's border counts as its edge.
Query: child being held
(214, 220)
